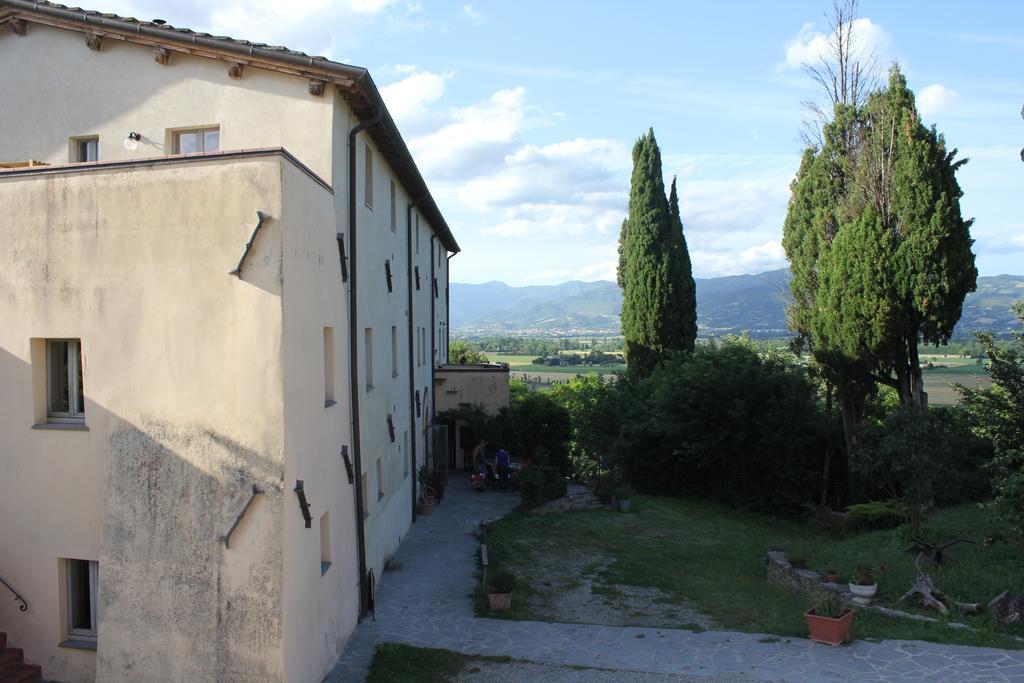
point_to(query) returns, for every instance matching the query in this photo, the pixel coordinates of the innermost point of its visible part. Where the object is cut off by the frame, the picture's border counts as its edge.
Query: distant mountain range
(755, 303)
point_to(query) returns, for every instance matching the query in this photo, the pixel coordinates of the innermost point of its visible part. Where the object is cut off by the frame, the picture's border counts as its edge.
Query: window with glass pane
(195, 141)
(87, 149)
(65, 388)
(81, 598)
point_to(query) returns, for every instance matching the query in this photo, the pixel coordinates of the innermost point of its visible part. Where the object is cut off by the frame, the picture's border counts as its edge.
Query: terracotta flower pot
(829, 630)
(425, 508)
(499, 600)
(831, 577)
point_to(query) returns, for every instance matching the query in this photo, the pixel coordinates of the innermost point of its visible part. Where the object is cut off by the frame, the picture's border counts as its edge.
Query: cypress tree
(658, 307)
(684, 295)
(880, 254)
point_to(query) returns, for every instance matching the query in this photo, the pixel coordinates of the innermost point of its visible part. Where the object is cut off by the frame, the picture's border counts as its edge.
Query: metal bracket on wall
(344, 261)
(236, 510)
(261, 217)
(348, 465)
(303, 503)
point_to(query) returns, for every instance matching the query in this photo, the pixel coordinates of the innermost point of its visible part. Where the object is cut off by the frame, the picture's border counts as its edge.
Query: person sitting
(502, 462)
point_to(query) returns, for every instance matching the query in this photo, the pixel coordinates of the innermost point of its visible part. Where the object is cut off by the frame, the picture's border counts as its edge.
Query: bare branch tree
(846, 72)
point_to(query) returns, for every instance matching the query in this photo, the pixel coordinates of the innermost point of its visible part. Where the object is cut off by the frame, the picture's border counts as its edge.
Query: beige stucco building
(222, 300)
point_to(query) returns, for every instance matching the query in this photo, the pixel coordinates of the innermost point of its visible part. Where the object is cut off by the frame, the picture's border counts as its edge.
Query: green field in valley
(938, 379)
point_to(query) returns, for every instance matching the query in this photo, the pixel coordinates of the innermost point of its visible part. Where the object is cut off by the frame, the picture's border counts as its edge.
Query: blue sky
(521, 115)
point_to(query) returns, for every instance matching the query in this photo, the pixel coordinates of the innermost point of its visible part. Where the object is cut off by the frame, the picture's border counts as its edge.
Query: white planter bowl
(862, 594)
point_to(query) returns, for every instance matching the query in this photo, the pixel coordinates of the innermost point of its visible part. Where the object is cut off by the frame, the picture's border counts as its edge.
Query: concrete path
(426, 602)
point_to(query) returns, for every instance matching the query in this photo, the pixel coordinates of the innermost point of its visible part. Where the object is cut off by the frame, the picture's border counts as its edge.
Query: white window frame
(394, 207)
(200, 139)
(394, 351)
(76, 148)
(78, 633)
(368, 355)
(380, 479)
(368, 177)
(76, 413)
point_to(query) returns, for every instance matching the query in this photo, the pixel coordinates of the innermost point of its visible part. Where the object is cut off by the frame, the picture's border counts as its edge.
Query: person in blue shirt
(502, 465)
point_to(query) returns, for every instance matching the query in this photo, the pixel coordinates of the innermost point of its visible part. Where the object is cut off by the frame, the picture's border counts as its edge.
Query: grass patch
(397, 663)
(713, 556)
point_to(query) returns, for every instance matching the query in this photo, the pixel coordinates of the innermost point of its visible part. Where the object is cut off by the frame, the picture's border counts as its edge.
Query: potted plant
(830, 620)
(424, 507)
(831, 576)
(863, 585)
(428, 486)
(499, 590)
(623, 498)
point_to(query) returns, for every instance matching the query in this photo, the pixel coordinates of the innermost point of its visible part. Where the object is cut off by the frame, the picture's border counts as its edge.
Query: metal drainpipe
(433, 335)
(412, 367)
(448, 308)
(353, 341)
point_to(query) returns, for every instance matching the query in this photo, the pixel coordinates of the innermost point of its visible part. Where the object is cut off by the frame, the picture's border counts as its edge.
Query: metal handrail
(17, 595)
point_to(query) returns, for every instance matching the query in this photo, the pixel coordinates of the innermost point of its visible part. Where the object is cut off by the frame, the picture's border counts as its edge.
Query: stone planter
(829, 630)
(623, 504)
(499, 601)
(862, 594)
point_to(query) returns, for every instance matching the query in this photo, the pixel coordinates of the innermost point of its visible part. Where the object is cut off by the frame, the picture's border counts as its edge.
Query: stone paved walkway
(426, 602)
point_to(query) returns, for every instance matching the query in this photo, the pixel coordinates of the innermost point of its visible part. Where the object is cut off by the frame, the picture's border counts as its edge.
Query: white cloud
(755, 259)
(810, 45)
(313, 26)
(935, 99)
(471, 13)
(408, 99)
(476, 137)
(544, 276)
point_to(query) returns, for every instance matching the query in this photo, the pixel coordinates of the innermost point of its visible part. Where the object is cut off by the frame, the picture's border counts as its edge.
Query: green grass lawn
(397, 663)
(713, 556)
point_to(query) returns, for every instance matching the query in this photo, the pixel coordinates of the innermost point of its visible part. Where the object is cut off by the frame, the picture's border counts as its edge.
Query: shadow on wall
(174, 604)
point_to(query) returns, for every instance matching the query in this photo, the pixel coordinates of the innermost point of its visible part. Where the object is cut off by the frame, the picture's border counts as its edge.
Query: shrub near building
(727, 424)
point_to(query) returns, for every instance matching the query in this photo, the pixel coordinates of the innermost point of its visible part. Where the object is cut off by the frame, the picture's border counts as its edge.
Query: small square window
(65, 393)
(85, 149)
(82, 590)
(196, 141)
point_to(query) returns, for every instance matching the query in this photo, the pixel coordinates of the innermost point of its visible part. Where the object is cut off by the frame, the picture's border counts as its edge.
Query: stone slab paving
(427, 602)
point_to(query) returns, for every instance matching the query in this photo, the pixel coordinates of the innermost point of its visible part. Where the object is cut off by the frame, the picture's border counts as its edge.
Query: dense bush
(533, 427)
(924, 456)
(539, 484)
(727, 423)
(591, 404)
(997, 414)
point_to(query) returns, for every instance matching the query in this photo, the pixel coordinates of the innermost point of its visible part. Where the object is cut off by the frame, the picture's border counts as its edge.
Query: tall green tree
(880, 254)
(658, 302)
(684, 299)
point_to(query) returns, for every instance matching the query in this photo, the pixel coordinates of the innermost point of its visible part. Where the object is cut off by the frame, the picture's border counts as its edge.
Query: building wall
(381, 237)
(122, 89)
(320, 604)
(482, 386)
(178, 358)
